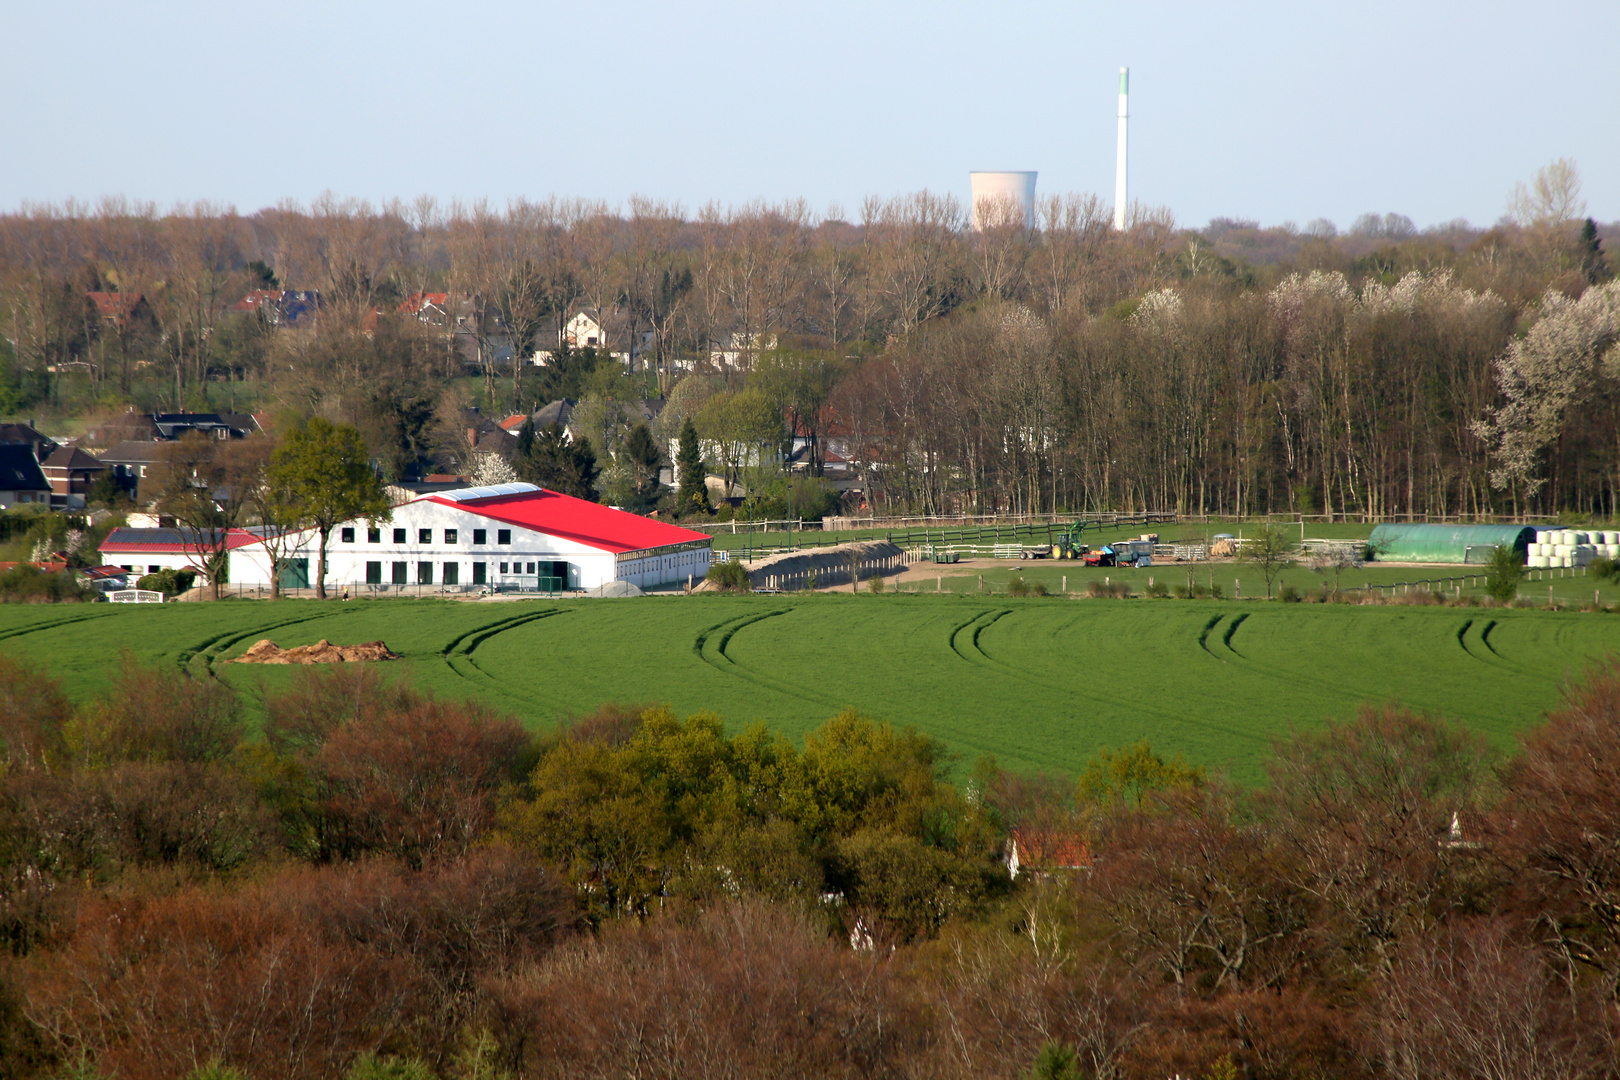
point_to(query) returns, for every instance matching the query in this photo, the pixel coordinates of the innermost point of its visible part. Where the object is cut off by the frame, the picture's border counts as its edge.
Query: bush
(1158, 589)
(1017, 586)
(1037, 588)
(1604, 569)
(730, 577)
(875, 583)
(1108, 590)
(1288, 594)
(167, 581)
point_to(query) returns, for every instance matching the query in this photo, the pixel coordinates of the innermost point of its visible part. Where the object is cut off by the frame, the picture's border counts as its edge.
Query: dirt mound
(322, 652)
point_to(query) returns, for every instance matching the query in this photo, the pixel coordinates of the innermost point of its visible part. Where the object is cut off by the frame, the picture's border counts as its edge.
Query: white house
(514, 537)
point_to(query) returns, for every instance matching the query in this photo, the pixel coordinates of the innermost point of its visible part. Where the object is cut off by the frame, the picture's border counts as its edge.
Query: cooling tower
(1000, 195)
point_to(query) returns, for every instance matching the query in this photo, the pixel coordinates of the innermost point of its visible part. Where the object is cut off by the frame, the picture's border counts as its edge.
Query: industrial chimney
(1000, 195)
(1119, 160)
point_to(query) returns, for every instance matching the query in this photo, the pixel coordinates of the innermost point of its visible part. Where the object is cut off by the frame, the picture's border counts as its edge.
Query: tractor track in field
(712, 646)
(1503, 661)
(972, 650)
(52, 624)
(457, 653)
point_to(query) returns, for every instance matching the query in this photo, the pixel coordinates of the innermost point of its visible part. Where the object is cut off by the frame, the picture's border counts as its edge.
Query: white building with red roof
(506, 537)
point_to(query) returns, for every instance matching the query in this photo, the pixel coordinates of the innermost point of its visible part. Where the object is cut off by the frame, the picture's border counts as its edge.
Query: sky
(1268, 111)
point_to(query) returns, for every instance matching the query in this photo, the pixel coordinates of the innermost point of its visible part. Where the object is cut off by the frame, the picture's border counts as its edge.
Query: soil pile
(322, 652)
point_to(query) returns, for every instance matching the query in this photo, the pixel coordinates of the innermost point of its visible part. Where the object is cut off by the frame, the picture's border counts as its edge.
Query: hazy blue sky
(1285, 111)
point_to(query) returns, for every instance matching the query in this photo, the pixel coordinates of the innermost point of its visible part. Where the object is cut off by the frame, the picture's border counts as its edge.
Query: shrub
(1158, 589)
(1037, 588)
(168, 581)
(730, 577)
(875, 583)
(1109, 590)
(157, 713)
(1288, 594)
(1017, 586)
(1604, 569)
(31, 585)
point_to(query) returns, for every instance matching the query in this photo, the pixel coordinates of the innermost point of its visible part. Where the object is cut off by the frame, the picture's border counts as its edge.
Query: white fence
(135, 596)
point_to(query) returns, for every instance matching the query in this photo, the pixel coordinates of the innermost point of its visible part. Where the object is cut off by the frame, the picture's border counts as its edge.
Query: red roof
(513, 422)
(1051, 848)
(126, 541)
(115, 305)
(417, 301)
(568, 518)
(256, 299)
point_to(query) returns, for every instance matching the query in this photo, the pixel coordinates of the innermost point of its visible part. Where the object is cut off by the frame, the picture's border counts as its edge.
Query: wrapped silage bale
(1536, 561)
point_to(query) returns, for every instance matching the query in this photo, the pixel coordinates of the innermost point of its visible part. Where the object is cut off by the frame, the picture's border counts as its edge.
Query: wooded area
(1232, 369)
(393, 885)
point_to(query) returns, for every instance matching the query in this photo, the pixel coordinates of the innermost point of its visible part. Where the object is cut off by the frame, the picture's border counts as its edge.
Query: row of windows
(425, 536)
(450, 573)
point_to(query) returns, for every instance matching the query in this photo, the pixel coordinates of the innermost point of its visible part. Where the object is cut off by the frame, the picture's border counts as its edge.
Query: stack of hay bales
(1554, 548)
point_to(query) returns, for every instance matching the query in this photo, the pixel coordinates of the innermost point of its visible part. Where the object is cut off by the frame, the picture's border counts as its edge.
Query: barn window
(399, 536)
(346, 536)
(480, 536)
(530, 569)
(424, 573)
(450, 536)
(503, 536)
(503, 568)
(424, 536)
(452, 573)
(399, 572)
(478, 573)
(373, 536)
(373, 573)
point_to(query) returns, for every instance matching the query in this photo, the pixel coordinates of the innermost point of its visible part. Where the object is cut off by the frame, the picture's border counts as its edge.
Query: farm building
(507, 536)
(146, 551)
(1446, 543)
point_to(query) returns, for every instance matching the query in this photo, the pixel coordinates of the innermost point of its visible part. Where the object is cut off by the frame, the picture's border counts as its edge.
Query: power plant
(1119, 157)
(1001, 197)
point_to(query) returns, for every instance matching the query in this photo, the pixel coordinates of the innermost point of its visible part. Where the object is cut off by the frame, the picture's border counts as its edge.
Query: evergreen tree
(641, 458)
(693, 494)
(560, 465)
(1594, 267)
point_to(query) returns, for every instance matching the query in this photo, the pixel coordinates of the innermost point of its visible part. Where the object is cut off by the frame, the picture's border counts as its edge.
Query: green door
(295, 573)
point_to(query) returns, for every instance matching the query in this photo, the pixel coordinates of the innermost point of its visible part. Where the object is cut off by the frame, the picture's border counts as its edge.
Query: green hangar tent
(1446, 543)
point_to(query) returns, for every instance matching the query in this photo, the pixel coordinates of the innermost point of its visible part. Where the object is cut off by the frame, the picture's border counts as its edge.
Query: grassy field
(1039, 683)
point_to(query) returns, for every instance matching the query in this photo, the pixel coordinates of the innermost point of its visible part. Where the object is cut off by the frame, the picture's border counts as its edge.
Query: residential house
(25, 435)
(1043, 851)
(279, 307)
(429, 308)
(131, 462)
(121, 309)
(22, 481)
(213, 425)
(71, 472)
(738, 351)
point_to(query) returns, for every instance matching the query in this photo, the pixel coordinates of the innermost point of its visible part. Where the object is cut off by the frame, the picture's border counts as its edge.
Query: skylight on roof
(489, 491)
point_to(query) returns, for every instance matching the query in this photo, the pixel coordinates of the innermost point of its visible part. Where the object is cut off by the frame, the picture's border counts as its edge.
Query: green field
(1039, 683)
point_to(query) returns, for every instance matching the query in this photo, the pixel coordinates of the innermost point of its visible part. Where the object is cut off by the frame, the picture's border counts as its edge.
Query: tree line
(1230, 369)
(388, 884)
